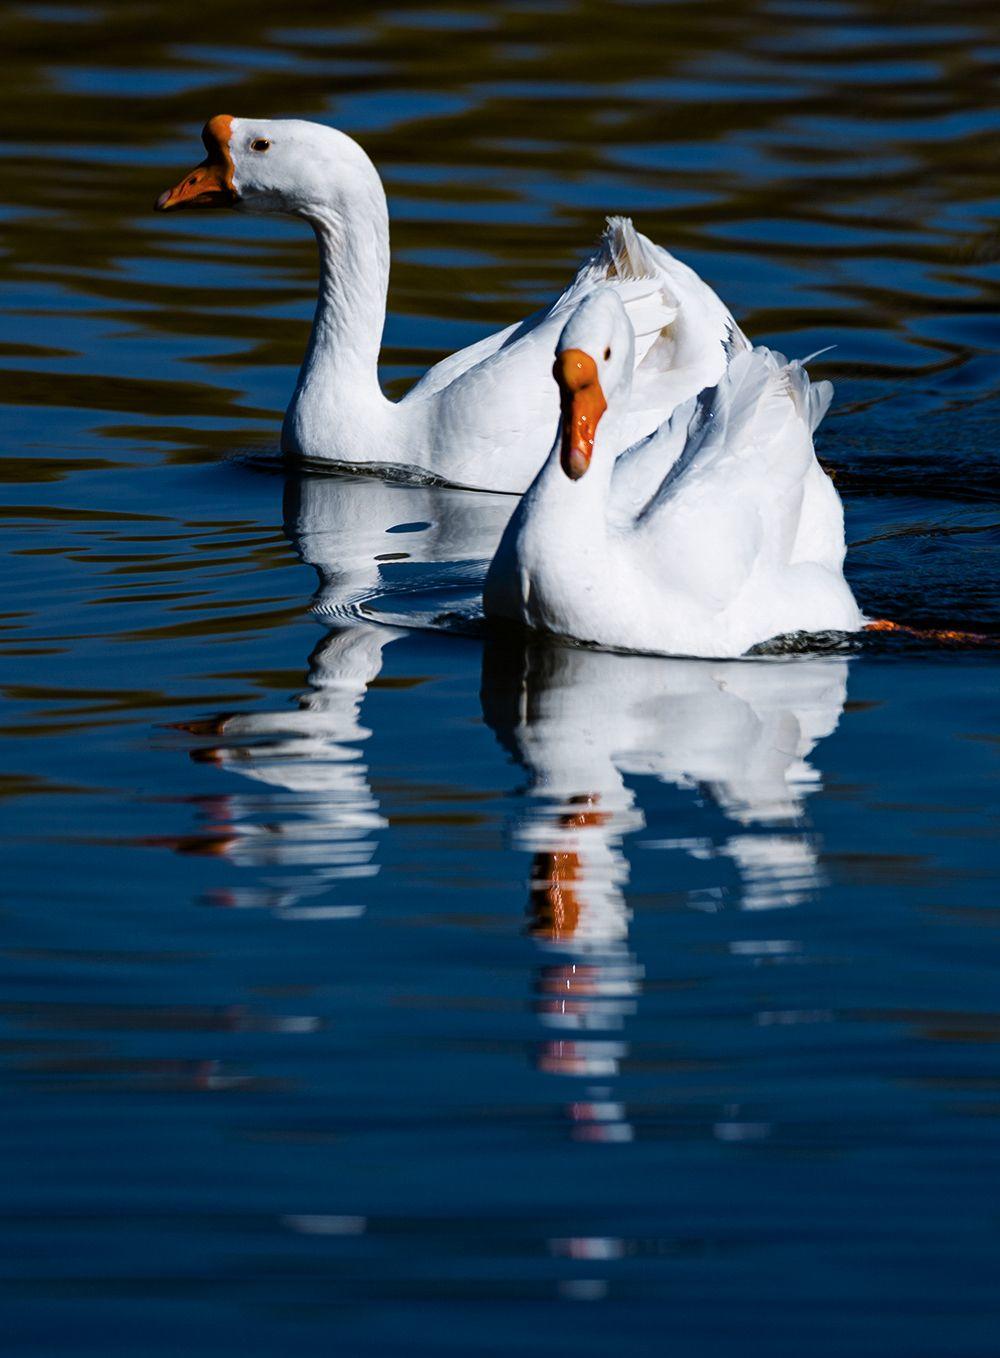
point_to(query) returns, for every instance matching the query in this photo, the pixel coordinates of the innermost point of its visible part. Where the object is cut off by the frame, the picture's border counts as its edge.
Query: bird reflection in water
(577, 905)
(584, 725)
(579, 721)
(323, 831)
(369, 541)
(373, 543)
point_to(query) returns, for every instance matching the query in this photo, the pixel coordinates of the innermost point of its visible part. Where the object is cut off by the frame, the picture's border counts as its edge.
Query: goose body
(484, 417)
(719, 532)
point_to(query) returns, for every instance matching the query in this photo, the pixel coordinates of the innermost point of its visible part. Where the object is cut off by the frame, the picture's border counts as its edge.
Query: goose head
(281, 165)
(593, 368)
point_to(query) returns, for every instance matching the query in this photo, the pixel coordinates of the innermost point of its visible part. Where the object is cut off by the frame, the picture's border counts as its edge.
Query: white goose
(717, 533)
(482, 418)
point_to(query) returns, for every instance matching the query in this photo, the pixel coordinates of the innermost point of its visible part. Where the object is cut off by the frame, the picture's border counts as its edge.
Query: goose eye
(260, 144)
(607, 353)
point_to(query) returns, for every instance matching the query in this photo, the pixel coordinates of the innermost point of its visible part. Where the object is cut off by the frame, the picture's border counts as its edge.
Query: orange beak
(209, 184)
(583, 404)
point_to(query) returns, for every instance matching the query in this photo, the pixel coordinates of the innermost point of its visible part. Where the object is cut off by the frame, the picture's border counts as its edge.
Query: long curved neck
(338, 404)
(586, 501)
(353, 282)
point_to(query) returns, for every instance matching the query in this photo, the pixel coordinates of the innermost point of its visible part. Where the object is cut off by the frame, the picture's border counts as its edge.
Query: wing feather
(742, 483)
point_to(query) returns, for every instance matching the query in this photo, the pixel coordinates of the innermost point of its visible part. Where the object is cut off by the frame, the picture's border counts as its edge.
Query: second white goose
(719, 532)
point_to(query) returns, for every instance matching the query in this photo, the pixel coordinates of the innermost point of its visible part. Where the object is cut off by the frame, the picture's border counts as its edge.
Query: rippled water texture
(373, 986)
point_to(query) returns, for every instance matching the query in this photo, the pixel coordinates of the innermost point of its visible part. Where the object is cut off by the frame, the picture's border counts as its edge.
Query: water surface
(369, 982)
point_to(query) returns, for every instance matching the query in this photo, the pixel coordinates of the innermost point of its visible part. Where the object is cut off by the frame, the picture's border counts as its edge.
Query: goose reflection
(365, 537)
(324, 829)
(356, 534)
(738, 734)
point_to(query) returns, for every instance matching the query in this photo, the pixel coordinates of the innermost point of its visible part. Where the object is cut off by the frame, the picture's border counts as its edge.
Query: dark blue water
(374, 986)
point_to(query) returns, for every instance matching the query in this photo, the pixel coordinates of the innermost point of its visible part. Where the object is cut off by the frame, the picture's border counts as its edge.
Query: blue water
(376, 985)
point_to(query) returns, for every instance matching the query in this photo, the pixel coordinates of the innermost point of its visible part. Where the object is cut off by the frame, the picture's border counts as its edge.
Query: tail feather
(812, 399)
(626, 254)
(679, 323)
(820, 396)
(629, 261)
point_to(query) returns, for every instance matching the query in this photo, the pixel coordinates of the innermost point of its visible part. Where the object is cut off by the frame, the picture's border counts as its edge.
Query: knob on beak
(209, 184)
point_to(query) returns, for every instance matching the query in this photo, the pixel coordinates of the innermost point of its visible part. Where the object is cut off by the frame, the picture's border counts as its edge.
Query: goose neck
(353, 283)
(338, 409)
(587, 497)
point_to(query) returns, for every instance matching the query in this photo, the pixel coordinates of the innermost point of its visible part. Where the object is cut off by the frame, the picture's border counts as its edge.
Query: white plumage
(484, 417)
(718, 532)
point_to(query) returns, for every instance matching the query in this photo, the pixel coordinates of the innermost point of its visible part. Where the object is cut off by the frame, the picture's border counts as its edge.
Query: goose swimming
(717, 533)
(483, 417)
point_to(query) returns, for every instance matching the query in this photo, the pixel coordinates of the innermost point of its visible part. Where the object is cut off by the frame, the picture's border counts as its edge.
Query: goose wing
(683, 332)
(741, 481)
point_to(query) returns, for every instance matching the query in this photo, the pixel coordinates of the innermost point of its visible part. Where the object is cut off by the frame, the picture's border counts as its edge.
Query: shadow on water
(362, 981)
